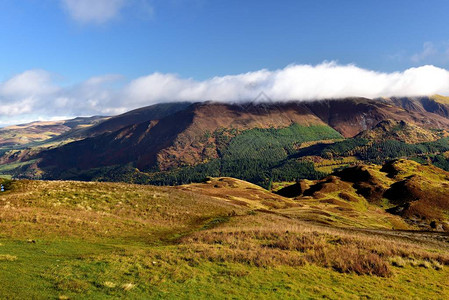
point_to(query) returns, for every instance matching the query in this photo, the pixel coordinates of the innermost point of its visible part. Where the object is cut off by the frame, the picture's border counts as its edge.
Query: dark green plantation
(378, 152)
(256, 155)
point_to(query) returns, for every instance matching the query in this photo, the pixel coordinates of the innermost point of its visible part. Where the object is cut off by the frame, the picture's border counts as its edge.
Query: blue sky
(95, 51)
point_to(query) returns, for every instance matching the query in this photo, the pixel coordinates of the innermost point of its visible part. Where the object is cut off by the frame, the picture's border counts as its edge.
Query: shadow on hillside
(309, 151)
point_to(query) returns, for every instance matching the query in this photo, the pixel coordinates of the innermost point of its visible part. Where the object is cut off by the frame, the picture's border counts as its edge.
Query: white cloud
(33, 82)
(21, 107)
(34, 93)
(295, 82)
(103, 11)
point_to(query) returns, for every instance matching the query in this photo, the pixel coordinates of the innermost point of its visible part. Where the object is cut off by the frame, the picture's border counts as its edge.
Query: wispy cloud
(429, 50)
(436, 53)
(103, 11)
(96, 11)
(36, 94)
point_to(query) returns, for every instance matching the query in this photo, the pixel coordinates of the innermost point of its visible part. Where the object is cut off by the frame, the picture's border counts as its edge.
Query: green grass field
(73, 240)
(79, 270)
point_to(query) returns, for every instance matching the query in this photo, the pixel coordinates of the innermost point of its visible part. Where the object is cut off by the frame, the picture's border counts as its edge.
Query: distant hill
(353, 115)
(435, 104)
(23, 134)
(19, 144)
(196, 135)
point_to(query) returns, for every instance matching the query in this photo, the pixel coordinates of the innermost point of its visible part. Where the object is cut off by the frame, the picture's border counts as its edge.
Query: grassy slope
(106, 240)
(440, 99)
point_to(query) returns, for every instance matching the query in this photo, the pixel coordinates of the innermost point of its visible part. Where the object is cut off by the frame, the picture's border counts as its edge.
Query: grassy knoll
(224, 238)
(413, 194)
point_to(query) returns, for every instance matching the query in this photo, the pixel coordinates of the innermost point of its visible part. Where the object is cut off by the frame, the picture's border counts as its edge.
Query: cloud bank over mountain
(36, 94)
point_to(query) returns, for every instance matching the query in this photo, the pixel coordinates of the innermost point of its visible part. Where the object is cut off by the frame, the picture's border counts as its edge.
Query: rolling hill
(415, 192)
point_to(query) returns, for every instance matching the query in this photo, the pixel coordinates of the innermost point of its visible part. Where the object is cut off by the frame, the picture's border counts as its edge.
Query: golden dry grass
(263, 240)
(90, 210)
(239, 192)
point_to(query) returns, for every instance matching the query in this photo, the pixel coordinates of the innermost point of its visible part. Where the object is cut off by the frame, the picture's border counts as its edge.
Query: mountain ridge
(173, 136)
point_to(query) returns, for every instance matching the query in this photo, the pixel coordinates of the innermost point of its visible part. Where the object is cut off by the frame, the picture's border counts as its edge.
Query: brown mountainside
(111, 124)
(190, 145)
(176, 139)
(185, 137)
(354, 115)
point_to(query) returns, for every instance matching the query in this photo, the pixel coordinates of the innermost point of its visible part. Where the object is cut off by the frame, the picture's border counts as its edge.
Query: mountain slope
(134, 143)
(148, 113)
(259, 142)
(353, 115)
(178, 139)
(189, 136)
(213, 122)
(436, 104)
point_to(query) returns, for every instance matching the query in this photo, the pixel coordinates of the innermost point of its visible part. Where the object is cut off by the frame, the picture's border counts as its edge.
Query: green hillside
(73, 240)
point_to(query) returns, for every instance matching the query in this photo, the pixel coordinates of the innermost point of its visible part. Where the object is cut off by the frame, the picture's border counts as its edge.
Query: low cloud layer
(35, 94)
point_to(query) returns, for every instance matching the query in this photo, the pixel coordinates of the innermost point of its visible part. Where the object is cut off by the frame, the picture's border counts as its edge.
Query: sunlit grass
(73, 240)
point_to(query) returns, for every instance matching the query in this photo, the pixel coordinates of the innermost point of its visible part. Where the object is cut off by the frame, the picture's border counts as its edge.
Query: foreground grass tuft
(7, 257)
